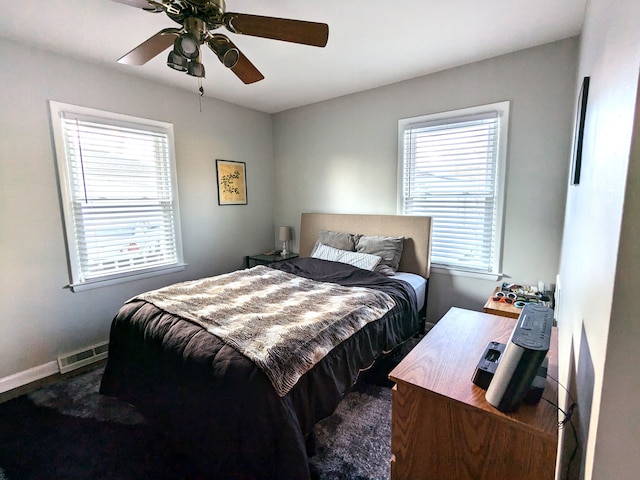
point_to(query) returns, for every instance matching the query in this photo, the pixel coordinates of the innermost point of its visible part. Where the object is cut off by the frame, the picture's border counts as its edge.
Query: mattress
(418, 283)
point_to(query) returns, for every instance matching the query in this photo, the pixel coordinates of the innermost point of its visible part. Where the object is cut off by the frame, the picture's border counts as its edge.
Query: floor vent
(83, 357)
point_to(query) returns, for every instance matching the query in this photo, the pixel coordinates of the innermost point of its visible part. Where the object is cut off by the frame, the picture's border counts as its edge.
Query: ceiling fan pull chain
(201, 91)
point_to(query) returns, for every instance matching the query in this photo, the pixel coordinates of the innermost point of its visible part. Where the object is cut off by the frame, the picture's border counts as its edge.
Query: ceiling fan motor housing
(202, 3)
(195, 26)
(211, 11)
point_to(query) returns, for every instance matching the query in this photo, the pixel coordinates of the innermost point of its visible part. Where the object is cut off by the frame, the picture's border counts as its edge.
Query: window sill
(464, 273)
(130, 277)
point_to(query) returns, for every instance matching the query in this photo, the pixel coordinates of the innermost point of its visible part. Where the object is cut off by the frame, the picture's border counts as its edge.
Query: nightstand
(262, 259)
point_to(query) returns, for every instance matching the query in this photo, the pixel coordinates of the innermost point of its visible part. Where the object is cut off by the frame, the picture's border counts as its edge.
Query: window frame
(77, 283)
(502, 110)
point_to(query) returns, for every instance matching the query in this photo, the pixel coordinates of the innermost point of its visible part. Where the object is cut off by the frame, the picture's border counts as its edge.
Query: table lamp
(285, 236)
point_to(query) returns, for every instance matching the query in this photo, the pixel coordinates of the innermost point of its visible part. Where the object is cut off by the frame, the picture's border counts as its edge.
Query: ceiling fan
(199, 19)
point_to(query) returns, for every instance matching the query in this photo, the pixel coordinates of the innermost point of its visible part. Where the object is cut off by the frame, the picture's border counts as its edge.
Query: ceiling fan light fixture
(227, 54)
(195, 69)
(230, 57)
(177, 61)
(187, 45)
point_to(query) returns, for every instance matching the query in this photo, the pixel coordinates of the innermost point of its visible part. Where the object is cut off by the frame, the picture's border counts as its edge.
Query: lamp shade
(227, 54)
(177, 61)
(195, 69)
(285, 234)
(187, 45)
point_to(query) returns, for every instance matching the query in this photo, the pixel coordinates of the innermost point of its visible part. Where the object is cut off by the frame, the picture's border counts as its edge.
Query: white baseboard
(23, 378)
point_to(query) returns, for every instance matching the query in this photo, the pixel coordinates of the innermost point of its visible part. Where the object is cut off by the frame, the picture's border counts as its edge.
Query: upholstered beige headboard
(416, 253)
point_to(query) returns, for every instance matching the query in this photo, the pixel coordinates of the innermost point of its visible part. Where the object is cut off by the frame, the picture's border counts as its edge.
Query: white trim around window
(451, 166)
(118, 189)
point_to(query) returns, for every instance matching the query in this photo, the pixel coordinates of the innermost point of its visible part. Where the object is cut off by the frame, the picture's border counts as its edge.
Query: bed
(235, 414)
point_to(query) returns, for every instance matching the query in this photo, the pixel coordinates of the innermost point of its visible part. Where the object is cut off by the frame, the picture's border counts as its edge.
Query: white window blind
(119, 195)
(451, 170)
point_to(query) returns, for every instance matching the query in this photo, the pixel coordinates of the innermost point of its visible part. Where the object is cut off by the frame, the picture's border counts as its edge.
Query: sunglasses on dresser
(505, 297)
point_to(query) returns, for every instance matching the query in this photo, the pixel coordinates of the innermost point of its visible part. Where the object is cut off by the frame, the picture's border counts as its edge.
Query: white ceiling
(371, 42)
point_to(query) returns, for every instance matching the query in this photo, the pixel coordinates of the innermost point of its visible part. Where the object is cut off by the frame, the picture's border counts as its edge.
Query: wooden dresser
(442, 426)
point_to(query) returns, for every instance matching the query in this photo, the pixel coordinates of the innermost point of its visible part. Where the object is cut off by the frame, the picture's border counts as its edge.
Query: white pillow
(360, 260)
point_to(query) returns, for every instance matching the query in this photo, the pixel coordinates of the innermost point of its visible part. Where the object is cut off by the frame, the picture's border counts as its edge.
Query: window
(452, 168)
(119, 195)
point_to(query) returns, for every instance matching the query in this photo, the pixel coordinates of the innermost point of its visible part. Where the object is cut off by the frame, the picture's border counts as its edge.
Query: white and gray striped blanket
(282, 322)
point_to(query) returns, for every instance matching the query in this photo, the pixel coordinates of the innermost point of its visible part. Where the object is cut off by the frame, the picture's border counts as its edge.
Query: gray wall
(600, 266)
(40, 318)
(340, 156)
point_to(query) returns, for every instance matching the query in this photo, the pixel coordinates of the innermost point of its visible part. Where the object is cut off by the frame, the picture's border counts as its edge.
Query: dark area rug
(69, 431)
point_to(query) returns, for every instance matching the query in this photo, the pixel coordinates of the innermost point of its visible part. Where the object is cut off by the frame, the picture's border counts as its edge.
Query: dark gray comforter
(219, 405)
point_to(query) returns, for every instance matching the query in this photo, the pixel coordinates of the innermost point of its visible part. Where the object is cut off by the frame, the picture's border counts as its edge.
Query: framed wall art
(232, 182)
(578, 134)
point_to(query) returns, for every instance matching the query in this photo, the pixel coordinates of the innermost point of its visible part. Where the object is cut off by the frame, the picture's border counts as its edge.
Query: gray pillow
(388, 248)
(339, 240)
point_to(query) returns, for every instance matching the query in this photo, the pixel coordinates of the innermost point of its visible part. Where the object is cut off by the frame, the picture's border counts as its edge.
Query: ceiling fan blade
(286, 30)
(150, 47)
(244, 69)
